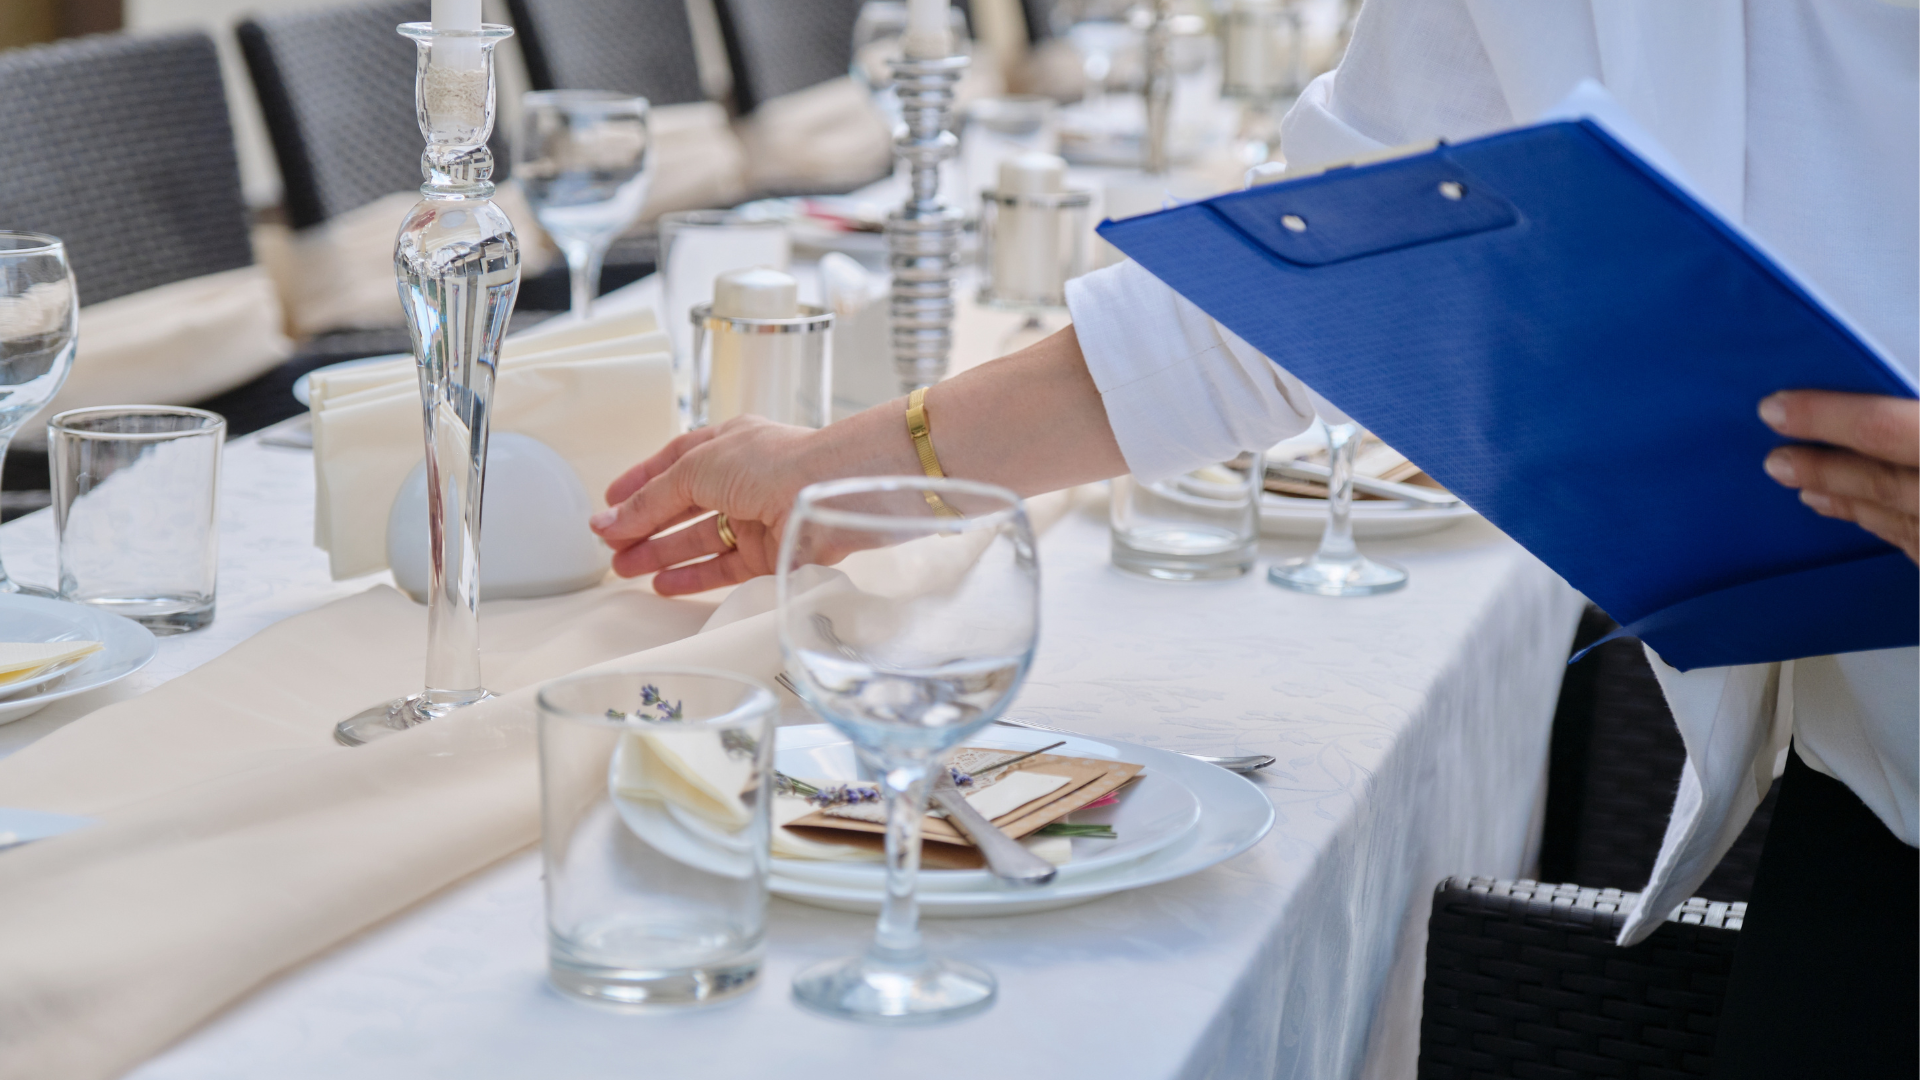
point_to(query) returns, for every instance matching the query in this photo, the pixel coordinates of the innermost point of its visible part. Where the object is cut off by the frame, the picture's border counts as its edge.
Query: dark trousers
(1826, 977)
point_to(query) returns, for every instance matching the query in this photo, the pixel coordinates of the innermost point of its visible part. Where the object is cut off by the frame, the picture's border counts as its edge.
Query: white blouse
(1800, 119)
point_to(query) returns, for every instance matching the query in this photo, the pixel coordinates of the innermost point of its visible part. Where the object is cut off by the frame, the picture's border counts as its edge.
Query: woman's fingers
(1887, 428)
(696, 541)
(1902, 530)
(636, 478)
(728, 569)
(1841, 474)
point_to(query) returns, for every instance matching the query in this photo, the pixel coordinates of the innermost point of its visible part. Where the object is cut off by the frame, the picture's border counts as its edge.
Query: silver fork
(1244, 763)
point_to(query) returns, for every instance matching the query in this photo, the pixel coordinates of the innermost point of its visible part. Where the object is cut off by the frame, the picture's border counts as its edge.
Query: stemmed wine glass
(39, 327)
(907, 665)
(1338, 568)
(584, 158)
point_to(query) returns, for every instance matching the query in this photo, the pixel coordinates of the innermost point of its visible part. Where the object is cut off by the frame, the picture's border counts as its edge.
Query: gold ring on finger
(726, 531)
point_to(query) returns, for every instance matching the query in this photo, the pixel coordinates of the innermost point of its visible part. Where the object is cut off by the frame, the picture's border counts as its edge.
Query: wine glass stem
(1336, 543)
(897, 938)
(583, 272)
(6, 440)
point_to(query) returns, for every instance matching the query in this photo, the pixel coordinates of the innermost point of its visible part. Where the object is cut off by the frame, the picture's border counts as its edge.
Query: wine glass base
(871, 990)
(1358, 576)
(393, 717)
(21, 588)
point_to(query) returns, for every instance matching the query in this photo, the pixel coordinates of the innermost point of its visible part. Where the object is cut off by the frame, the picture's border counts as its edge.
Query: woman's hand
(747, 467)
(1867, 474)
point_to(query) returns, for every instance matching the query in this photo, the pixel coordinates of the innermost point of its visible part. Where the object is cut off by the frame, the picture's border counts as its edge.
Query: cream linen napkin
(600, 394)
(235, 840)
(171, 345)
(825, 137)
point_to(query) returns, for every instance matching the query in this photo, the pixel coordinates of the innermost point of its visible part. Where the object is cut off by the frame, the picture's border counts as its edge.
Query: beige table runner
(235, 840)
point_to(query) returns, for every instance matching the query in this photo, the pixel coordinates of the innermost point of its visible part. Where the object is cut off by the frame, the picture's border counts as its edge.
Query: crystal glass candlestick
(458, 264)
(923, 236)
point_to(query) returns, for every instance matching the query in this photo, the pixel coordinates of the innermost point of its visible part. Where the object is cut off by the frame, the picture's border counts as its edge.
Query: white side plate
(128, 647)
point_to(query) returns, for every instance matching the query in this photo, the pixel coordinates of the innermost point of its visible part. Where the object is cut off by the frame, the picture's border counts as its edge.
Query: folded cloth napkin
(173, 344)
(600, 393)
(235, 840)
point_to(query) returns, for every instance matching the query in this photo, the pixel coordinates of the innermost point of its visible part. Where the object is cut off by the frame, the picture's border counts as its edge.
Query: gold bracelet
(922, 434)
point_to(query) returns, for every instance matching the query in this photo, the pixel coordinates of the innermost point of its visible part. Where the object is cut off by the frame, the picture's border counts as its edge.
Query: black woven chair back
(642, 47)
(778, 46)
(336, 88)
(1524, 980)
(1613, 769)
(121, 146)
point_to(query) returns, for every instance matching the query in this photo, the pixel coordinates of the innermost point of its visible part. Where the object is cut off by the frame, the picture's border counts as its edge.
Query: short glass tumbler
(1198, 526)
(655, 786)
(136, 502)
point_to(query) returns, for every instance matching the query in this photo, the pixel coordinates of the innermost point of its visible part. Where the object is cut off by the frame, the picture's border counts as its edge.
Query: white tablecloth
(1411, 731)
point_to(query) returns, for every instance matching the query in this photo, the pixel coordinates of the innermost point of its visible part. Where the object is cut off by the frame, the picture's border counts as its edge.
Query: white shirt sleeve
(1181, 391)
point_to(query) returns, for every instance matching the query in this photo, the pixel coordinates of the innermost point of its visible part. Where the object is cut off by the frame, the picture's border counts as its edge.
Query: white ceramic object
(1233, 815)
(126, 647)
(534, 539)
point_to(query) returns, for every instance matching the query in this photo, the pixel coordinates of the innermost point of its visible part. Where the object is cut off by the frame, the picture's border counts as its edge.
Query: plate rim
(1123, 878)
(133, 632)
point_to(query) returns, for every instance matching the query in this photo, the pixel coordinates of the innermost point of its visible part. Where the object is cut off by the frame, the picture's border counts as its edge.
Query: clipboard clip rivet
(1294, 222)
(1452, 190)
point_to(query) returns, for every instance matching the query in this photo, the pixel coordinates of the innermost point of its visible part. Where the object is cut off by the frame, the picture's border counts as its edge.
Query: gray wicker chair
(336, 89)
(1524, 980)
(778, 46)
(642, 47)
(121, 146)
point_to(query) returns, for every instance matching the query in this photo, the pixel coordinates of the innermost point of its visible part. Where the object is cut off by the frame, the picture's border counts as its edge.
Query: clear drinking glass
(907, 668)
(136, 503)
(585, 159)
(1199, 526)
(39, 325)
(697, 246)
(1338, 568)
(655, 785)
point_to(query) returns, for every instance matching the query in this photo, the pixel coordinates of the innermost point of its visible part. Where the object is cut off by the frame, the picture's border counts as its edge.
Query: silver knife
(1006, 857)
(1386, 489)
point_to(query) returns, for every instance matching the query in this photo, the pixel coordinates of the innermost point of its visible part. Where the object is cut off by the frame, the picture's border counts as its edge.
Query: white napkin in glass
(601, 394)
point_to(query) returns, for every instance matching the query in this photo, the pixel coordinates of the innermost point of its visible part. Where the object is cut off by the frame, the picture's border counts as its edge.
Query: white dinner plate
(1152, 812)
(1233, 815)
(128, 647)
(303, 388)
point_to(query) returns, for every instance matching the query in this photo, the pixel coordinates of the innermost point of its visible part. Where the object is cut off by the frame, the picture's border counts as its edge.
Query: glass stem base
(886, 989)
(392, 717)
(1355, 576)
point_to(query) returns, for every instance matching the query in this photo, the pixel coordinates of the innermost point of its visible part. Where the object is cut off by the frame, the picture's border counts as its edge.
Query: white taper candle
(928, 34)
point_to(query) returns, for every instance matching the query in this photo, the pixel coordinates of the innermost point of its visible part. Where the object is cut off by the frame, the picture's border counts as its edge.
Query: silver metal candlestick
(923, 236)
(458, 264)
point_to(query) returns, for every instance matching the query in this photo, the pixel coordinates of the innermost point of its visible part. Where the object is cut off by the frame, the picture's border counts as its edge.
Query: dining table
(1410, 733)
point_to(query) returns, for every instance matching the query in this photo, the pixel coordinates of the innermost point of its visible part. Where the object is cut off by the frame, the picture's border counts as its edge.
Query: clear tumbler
(136, 502)
(1196, 526)
(655, 788)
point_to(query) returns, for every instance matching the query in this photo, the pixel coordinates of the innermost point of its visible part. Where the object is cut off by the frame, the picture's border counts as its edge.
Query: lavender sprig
(650, 698)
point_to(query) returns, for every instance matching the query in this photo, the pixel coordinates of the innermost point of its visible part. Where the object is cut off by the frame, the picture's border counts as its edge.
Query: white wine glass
(39, 328)
(907, 663)
(584, 159)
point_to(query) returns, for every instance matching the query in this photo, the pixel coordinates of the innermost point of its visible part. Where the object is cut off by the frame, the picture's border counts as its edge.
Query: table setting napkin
(598, 393)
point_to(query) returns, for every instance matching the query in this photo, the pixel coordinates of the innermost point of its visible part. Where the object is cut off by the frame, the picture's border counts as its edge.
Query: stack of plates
(1180, 817)
(127, 648)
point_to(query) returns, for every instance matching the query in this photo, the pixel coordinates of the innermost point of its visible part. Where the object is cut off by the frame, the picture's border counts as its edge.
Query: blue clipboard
(1576, 347)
